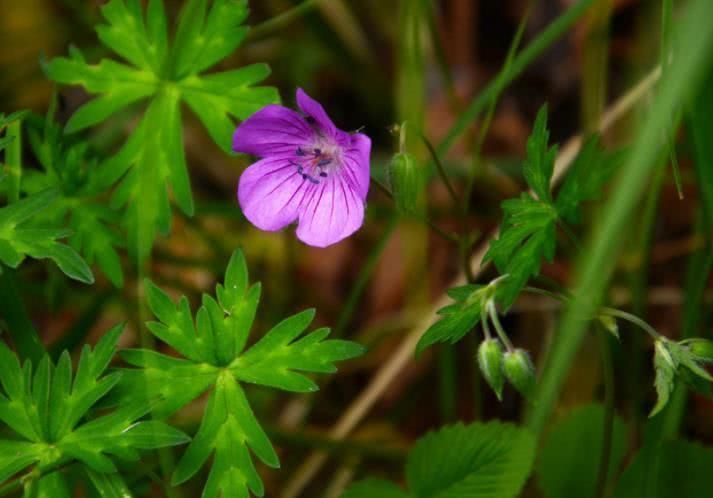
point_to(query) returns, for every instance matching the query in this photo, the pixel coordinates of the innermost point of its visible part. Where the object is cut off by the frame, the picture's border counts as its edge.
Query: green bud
(702, 349)
(520, 372)
(406, 182)
(490, 360)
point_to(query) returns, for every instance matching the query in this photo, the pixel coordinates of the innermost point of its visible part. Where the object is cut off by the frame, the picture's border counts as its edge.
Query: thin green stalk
(666, 27)
(595, 65)
(23, 333)
(493, 313)
(694, 42)
(280, 21)
(700, 265)
(608, 423)
(436, 229)
(485, 126)
(441, 170)
(542, 42)
(365, 273)
(638, 285)
(13, 158)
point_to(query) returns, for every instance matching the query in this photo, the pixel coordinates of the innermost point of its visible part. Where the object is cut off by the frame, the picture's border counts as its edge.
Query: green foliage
(4, 122)
(672, 469)
(490, 460)
(20, 238)
(528, 231)
(687, 359)
(215, 358)
(456, 319)
(70, 168)
(50, 414)
(166, 74)
(568, 464)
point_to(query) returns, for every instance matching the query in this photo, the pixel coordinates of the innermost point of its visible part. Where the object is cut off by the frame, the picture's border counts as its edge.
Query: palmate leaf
(19, 238)
(528, 231)
(490, 460)
(167, 74)
(214, 359)
(69, 167)
(49, 411)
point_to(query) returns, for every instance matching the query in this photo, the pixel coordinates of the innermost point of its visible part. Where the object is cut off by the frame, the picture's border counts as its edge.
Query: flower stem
(632, 319)
(498, 327)
(441, 170)
(439, 231)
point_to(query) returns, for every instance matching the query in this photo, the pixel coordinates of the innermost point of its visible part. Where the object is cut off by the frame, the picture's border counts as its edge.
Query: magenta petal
(270, 192)
(355, 163)
(315, 110)
(332, 212)
(271, 131)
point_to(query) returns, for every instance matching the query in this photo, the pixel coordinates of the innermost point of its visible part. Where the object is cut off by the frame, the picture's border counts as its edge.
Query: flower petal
(272, 131)
(315, 110)
(355, 164)
(332, 211)
(270, 192)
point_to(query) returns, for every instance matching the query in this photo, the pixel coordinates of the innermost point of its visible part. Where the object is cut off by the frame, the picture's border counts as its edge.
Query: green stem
(20, 327)
(542, 42)
(604, 311)
(441, 170)
(498, 327)
(365, 273)
(436, 229)
(632, 319)
(281, 20)
(608, 423)
(485, 127)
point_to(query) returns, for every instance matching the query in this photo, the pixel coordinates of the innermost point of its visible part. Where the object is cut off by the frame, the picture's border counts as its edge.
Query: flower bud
(406, 182)
(702, 349)
(490, 360)
(520, 372)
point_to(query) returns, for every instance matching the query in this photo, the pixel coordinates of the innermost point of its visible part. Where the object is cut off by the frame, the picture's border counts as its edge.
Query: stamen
(317, 152)
(323, 174)
(300, 151)
(323, 162)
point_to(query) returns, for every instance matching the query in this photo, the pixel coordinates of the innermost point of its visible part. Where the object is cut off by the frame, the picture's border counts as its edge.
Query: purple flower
(310, 172)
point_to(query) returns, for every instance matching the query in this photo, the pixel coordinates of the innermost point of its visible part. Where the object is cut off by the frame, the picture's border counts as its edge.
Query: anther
(299, 151)
(323, 162)
(323, 174)
(317, 152)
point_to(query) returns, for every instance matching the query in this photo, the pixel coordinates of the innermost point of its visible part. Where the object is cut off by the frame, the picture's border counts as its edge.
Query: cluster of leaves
(166, 73)
(69, 167)
(54, 421)
(528, 232)
(20, 236)
(686, 359)
(490, 460)
(215, 358)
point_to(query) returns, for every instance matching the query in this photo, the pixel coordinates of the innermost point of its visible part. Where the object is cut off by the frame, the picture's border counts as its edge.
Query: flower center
(316, 163)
